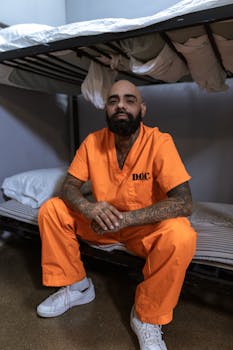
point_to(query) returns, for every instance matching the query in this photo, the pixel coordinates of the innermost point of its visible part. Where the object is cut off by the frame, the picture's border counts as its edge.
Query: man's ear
(143, 108)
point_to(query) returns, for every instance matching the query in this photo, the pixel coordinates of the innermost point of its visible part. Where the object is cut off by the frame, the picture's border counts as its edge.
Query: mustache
(120, 112)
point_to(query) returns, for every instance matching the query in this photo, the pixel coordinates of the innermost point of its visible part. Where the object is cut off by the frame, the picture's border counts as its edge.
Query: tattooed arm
(177, 203)
(104, 214)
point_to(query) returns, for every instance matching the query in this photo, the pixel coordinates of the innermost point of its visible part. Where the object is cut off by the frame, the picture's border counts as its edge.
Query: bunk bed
(190, 41)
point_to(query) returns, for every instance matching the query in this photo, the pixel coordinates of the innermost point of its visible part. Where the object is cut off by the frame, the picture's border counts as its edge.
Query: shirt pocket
(141, 190)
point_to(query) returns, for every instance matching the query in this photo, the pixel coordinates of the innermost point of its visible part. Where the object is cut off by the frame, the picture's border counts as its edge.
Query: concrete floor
(202, 320)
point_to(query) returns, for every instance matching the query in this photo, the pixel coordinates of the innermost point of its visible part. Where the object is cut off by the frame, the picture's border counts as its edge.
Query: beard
(124, 127)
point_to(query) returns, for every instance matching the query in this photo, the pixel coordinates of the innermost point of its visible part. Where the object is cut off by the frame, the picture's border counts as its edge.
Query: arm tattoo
(71, 194)
(178, 203)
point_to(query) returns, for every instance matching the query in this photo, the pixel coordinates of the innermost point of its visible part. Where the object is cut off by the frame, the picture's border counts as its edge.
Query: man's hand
(105, 215)
(177, 204)
(122, 223)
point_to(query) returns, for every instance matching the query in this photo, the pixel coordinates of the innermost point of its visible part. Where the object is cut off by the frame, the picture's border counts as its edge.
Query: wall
(50, 12)
(34, 131)
(202, 126)
(84, 10)
(59, 12)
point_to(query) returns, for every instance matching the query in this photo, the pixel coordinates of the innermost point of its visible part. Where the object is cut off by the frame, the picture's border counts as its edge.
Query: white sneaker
(65, 298)
(149, 335)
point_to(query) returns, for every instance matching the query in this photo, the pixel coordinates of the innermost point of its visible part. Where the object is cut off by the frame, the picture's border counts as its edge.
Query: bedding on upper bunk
(78, 57)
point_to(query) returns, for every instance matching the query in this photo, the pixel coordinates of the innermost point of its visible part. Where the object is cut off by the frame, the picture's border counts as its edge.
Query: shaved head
(125, 87)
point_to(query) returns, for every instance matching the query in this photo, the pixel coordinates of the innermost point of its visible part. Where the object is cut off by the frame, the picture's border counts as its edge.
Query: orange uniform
(152, 168)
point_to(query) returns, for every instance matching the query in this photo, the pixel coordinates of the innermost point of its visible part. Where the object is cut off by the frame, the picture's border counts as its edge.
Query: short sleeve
(169, 170)
(79, 166)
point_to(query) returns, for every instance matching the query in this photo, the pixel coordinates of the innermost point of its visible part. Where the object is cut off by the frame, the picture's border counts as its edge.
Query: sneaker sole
(85, 300)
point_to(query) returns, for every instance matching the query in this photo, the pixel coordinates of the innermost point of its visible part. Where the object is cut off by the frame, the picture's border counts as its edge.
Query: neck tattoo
(122, 149)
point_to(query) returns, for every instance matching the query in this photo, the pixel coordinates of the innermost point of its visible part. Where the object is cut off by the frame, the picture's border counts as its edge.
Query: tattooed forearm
(178, 203)
(72, 195)
(103, 213)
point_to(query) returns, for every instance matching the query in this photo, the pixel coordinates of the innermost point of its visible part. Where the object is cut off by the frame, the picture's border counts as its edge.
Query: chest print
(144, 176)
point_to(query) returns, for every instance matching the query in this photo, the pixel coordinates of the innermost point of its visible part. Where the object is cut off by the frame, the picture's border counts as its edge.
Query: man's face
(123, 109)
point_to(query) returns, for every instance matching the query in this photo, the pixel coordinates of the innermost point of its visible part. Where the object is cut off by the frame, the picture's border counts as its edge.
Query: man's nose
(121, 104)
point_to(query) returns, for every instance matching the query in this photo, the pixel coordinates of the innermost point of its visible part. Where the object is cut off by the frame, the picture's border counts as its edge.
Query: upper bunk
(190, 41)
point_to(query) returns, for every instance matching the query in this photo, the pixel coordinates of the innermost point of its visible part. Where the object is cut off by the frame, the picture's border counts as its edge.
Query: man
(142, 200)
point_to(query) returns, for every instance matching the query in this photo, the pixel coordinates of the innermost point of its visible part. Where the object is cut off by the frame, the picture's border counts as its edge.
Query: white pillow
(34, 187)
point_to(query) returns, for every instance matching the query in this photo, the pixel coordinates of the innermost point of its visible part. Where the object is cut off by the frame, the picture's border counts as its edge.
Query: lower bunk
(213, 222)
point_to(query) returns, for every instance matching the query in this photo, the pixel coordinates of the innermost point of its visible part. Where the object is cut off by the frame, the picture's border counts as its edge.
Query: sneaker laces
(61, 296)
(151, 334)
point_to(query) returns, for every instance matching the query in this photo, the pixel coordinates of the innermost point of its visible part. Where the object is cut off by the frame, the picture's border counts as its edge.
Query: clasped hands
(105, 217)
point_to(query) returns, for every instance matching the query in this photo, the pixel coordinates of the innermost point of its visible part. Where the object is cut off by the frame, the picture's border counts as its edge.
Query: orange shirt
(152, 168)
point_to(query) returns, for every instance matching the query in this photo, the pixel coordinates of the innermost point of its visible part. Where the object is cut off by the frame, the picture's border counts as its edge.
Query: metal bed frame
(131, 264)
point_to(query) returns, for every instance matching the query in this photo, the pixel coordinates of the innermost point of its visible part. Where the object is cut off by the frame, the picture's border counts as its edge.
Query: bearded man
(142, 198)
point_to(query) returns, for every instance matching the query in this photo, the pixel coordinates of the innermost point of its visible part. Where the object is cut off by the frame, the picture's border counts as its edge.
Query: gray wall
(85, 10)
(202, 126)
(59, 12)
(50, 12)
(34, 131)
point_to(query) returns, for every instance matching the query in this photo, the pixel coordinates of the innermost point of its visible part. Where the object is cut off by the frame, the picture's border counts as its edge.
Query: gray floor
(202, 321)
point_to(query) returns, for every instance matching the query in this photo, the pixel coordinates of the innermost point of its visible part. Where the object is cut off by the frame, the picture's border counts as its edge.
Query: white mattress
(16, 210)
(212, 221)
(19, 36)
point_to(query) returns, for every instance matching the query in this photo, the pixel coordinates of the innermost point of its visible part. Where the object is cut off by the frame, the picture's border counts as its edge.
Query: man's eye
(112, 102)
(130, 101)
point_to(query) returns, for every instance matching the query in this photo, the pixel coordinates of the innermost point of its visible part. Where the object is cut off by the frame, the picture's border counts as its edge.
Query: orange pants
(168, 248)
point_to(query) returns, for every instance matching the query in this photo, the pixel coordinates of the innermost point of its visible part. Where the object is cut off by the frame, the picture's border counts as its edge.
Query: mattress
(212, 221)
(214, 225)
(18, 211)
(25, 35)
